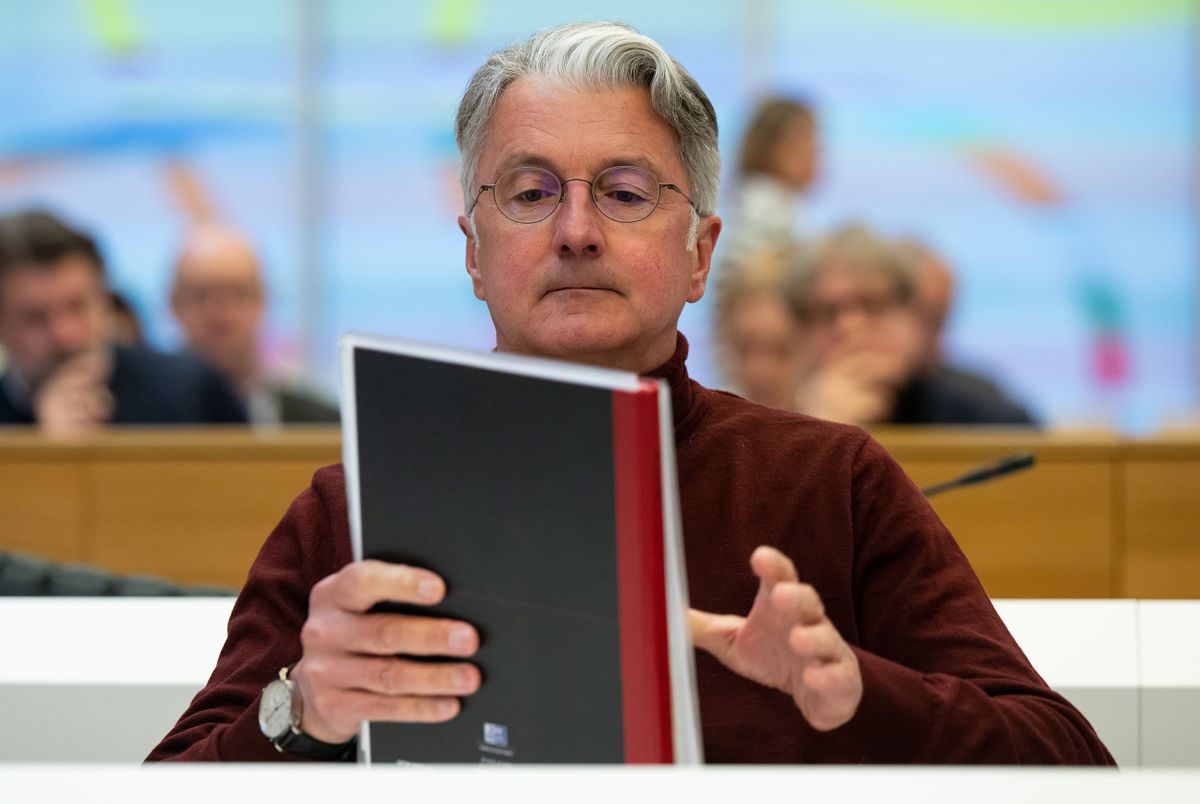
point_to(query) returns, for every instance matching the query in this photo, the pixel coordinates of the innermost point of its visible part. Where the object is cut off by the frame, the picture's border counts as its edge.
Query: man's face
(51, 313)
(218, 302)
(578, 285)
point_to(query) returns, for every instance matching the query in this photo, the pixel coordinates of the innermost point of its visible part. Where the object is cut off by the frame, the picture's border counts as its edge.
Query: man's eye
(531, 196)
(626, 197)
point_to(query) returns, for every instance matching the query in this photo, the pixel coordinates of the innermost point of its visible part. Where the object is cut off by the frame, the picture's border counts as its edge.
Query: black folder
(544, 493)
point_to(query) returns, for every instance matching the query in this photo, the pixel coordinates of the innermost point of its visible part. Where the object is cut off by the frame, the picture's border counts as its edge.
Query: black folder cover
(505, 484)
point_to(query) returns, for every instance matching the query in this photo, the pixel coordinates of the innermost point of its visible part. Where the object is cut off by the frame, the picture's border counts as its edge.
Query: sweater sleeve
(221, 722)
(943, 680)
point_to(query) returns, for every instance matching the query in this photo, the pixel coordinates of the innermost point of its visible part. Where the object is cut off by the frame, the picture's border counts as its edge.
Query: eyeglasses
(624, 193)
(823, 314)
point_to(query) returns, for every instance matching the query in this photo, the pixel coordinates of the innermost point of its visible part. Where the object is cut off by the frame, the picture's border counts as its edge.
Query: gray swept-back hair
(598, 55)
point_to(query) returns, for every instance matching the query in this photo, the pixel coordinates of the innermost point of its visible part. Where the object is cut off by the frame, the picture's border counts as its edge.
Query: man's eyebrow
(644, 162)
(525, 159)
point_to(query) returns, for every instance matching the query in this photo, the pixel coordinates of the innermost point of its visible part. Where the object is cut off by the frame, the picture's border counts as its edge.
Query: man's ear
(464, 225)
(706, 241)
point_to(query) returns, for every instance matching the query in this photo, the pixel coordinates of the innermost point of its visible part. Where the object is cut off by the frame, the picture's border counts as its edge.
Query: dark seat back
(30, 576)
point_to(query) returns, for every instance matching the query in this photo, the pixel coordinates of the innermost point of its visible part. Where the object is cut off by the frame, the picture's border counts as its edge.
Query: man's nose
(578, 230)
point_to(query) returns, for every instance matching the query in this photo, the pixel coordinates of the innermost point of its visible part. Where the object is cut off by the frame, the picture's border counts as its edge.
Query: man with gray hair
(849, 627)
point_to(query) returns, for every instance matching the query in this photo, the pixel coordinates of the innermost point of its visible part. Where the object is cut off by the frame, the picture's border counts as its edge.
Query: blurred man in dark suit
(63, 372)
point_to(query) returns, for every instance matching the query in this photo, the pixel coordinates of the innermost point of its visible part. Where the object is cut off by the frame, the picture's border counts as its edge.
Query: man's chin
(620, 350)
(575, 340)
(580, 349)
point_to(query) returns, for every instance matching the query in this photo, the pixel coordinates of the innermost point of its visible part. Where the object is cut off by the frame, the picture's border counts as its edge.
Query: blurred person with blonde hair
(757, 336)
(867, 342)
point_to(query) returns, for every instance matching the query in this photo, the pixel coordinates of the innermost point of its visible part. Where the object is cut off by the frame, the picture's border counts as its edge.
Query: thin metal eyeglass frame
(591, 183)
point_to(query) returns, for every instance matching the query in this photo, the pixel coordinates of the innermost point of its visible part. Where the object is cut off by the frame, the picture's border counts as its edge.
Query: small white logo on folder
(495, 734)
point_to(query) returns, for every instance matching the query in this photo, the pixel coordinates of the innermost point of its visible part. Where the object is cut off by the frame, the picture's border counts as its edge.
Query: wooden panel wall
(190, 505)
(1097, 517)
(1161, 519)
(1050, 531)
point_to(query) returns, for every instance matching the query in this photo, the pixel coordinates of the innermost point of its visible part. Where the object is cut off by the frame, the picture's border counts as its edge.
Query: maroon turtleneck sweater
(943, 680)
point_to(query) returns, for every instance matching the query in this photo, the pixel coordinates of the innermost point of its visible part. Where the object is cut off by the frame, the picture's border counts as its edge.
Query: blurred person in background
(870, 341)
(64, 373)
(757, 336)
(933, 296)
(933, 300)
(777, 163)
(124, 321)
(218, 297)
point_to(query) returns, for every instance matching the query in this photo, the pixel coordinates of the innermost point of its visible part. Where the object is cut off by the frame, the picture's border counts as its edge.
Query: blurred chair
(28, 576)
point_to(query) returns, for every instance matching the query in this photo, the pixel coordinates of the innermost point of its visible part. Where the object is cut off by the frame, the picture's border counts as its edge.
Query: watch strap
(299, 744)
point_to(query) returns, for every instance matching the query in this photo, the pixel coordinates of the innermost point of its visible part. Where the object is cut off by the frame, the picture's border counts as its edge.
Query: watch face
(275, 710)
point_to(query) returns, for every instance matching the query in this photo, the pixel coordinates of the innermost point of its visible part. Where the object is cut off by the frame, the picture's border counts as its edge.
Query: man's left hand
(786, 642)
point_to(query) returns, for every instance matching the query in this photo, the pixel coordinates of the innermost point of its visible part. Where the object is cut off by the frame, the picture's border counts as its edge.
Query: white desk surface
(1072, 643)
(112, 640)
(205, 784)
(1132, 666)
(1169, 632)
(1077, 644)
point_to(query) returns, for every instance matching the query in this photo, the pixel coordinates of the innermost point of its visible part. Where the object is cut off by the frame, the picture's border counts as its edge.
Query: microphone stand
(1002, 467)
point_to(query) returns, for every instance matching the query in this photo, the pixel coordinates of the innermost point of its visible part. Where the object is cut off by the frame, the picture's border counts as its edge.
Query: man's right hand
(356, 664)
(75, 398)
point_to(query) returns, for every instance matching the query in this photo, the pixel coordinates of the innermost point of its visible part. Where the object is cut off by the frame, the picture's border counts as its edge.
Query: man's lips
(570, 288)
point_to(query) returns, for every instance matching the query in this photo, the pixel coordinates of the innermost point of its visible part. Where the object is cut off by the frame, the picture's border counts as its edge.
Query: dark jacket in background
(154, 388)
(954, 396)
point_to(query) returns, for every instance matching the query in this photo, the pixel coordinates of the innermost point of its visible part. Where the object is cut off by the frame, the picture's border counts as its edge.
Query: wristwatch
(279, 713)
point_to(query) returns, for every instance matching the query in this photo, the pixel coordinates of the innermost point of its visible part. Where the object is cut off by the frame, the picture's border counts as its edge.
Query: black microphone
(1002, 467)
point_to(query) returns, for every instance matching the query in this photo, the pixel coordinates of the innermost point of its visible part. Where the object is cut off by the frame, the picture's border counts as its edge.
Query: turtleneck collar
(674, 371)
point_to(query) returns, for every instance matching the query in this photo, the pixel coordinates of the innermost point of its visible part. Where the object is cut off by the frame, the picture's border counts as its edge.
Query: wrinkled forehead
(538, 122)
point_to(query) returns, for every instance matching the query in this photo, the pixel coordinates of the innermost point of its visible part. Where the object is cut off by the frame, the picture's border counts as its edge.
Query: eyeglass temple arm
(479, 192)
(675, 187)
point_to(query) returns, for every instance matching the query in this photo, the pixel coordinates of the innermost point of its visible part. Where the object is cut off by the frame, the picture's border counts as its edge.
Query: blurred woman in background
(777, 164)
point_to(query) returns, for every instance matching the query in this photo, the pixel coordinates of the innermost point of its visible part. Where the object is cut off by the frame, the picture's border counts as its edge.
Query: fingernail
(463, 679)
(429, 589)
(461, 639)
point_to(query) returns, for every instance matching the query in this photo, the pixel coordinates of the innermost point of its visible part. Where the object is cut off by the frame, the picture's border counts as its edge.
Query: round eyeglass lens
(626, 194)
(527, 195)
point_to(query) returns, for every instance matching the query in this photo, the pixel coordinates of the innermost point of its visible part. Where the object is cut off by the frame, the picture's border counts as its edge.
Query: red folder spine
(645, 668)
